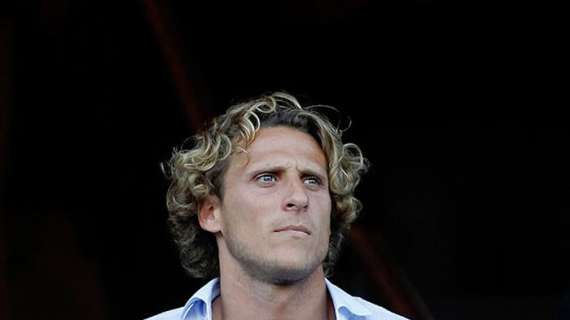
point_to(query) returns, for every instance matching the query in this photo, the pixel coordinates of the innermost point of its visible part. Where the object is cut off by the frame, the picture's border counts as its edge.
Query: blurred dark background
(466, 205)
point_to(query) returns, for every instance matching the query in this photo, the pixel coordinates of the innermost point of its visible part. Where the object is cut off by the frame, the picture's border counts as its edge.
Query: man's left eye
(312, 181)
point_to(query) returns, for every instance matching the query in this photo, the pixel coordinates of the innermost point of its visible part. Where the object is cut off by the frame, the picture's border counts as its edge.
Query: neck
(242, 297)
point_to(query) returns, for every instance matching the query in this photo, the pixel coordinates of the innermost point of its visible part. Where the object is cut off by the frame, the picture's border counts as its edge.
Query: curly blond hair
(198, 172)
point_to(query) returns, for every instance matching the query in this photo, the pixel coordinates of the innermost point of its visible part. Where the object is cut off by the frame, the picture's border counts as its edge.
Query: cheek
(325, 211)
(242, 214)
(326, 205)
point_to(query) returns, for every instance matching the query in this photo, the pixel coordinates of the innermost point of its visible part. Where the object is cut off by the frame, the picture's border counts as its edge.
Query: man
(261, 203)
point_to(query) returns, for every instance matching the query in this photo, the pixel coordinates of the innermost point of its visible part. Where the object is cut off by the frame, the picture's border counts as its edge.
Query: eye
(266, 179)
(313, 181)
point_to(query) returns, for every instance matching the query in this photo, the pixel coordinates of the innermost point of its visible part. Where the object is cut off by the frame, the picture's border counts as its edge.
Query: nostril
(296, 206)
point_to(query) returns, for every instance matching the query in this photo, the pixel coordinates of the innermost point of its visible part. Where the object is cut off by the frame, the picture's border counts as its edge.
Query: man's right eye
(266, 178)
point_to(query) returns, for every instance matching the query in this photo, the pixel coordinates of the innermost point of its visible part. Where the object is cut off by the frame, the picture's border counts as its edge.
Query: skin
(272, 229)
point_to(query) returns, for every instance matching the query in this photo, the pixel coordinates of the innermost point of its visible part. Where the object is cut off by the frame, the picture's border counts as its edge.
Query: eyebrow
(277, 168)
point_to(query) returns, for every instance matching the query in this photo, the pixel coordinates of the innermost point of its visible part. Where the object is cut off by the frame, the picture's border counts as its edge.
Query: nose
(296, 198)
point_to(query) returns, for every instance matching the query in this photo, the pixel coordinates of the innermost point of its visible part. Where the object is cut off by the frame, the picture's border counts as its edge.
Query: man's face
(275, 214)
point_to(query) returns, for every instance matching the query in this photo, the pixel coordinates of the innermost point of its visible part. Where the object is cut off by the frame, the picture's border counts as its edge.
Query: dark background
(466, 204)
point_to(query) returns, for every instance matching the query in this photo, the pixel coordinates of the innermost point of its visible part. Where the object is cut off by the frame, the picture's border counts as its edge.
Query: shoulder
(197, 307)
(168, 315)
(350, 306)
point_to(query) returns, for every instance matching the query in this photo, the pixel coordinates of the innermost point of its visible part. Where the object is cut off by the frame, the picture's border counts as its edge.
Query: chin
(280, 271)
(286, 275)
(279, 266)
(288, 271)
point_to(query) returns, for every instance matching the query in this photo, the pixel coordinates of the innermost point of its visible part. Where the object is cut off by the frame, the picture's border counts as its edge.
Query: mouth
(294, 228)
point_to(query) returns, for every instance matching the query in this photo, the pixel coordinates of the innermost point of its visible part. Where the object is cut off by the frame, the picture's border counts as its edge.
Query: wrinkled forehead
(240, 142)
(277, 146)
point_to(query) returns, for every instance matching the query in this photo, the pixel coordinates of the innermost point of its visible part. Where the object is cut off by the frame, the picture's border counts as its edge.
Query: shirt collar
(201, 302)
(343, 301)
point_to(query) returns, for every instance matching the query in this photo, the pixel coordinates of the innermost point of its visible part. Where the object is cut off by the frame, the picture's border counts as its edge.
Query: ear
(209, 215)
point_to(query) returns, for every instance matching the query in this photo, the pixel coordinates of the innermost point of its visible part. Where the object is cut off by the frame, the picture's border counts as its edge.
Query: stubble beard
(269, 270)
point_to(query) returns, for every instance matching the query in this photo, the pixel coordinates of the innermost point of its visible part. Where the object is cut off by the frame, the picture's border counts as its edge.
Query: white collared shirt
(346, 307)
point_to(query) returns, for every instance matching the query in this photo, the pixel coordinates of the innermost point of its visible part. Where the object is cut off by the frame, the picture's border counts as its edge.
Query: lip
(298, 228)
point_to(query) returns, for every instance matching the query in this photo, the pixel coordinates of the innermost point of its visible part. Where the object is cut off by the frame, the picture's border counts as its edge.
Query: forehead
(280, 146)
